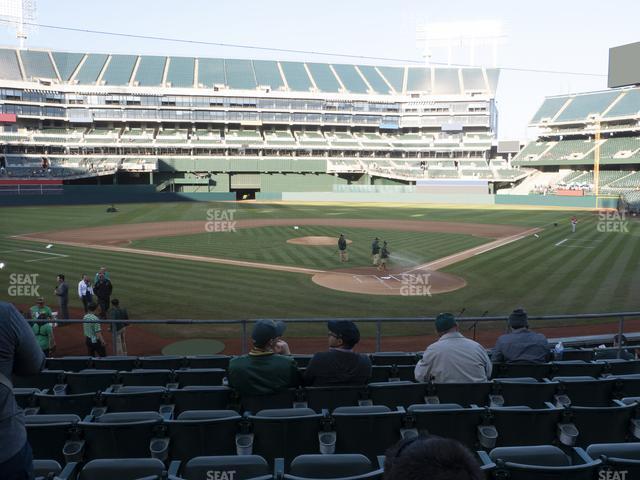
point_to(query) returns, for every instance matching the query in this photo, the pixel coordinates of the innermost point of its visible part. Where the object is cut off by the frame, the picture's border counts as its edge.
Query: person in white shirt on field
(453, 358)
(85, 291)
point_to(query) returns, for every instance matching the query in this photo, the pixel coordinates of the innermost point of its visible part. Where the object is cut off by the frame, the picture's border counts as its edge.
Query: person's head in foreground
(265, 334)
(343, 334)
(446, 323)
(518, 319)
(430, 458)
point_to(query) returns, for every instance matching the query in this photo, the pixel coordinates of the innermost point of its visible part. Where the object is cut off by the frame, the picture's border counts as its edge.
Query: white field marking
(43, 253)
(576, 246)
(383, 282)
(336, 213)
(9, 251)
(417, 215)
(45, 259)
(561, 242)
(395, 278)
(471, 252)
(585, 240)
(357, 277)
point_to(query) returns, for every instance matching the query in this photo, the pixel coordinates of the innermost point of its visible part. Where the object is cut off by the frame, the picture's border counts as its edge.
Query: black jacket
(337, 367)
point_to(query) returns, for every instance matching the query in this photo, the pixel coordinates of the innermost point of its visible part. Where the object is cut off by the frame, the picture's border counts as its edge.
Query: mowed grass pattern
(590, 272)
(269, 245)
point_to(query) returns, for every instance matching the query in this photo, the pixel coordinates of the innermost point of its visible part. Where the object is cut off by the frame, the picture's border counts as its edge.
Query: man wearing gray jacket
(453, 358)
(20, 355)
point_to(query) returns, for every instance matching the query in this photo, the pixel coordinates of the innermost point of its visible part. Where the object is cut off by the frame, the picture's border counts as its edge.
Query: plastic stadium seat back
(201, 398)
(586, 391)
(367, 430)
(602, 424)
(245, 467)
(47, 434)
(541, 455)
(574, 368)
(211, 433)
(629, 385)
(69, 364)
(284, 399)
(622, 367)
(285, 433)
(525, 426)
(46, 379)
(120, 435)
(25, 397)
(129, 400)
(80, 404)
(330, 398)
(465, 394)
(532, 394)
(118, 363)
(169, 362)
(146, 378)
(200, 377)
(380, 373)
(87, 381)
(302, 360)
(121, 469)
(585, 355)
(208, 361)
(46, 468)
(543, 462)
(618, 456)
(404, 372)
(449, 421)
(397, 394)
(334, 466)
(393, 358)
(509, 370)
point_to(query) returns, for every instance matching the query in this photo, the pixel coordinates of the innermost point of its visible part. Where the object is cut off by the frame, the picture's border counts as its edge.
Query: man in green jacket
(263, 372)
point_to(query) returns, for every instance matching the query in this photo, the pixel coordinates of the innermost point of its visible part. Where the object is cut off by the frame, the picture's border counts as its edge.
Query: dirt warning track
(366, 280)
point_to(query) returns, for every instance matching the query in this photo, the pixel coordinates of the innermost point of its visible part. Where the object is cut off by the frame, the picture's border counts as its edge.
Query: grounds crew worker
(375, 251)
(342, 247)
(384, 257)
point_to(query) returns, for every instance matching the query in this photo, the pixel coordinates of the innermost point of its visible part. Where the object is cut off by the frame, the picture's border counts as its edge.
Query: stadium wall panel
(299, 182)
(556, 201)
(388, 198)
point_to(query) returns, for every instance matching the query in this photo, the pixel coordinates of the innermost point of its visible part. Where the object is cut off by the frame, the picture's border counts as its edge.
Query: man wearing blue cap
(521, 344)
(453, 358)
(262, 371)
(340, 365)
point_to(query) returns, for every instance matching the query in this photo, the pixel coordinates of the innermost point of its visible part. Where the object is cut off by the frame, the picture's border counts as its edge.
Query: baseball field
(192, 260)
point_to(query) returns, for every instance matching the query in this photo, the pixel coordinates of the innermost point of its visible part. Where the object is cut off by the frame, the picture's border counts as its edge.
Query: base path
(420, 280)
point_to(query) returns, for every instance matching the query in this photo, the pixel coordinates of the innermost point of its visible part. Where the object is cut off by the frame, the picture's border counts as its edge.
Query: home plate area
(369, 280)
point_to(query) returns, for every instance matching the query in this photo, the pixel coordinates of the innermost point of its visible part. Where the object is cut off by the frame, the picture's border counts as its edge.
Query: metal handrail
(378, 321)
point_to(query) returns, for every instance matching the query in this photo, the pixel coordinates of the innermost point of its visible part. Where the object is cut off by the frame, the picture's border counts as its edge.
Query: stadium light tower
(17, 15)
(460, 35)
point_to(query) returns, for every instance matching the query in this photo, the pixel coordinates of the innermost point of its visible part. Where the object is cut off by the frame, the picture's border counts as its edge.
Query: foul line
(561, 242)
(465, 254)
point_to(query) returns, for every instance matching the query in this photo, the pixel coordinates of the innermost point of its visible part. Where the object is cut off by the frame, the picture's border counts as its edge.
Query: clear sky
(566, 35)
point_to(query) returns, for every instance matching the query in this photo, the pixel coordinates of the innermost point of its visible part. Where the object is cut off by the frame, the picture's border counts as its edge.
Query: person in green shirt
(40, 309)
(93, 332)
(262, 371)
(119, 313)
(42, 329)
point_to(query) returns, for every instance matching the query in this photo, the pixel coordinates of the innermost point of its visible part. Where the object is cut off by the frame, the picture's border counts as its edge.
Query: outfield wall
(107, 194)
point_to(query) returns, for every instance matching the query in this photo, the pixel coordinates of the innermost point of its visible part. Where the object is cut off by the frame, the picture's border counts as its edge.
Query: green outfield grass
(269, 245)
(590, 272)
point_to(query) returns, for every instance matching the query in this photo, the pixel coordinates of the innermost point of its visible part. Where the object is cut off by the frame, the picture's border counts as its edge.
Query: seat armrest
(174, 467)
(69, 471)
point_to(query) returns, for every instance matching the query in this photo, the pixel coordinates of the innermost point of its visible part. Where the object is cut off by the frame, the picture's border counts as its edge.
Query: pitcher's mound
(316, 241)
(370, 281)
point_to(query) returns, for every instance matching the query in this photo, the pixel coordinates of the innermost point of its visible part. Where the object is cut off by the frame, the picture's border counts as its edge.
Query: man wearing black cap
(262, 371)
(521, 344)
(342, 247)
(453, 358)
(340, 365)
